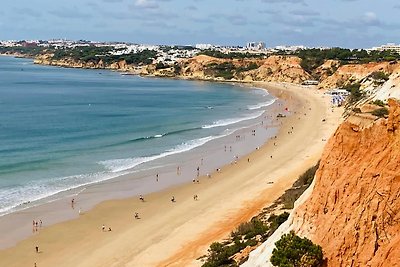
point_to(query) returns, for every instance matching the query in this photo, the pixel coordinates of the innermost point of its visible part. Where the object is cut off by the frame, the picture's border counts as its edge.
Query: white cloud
(370, 18)
(146, 4)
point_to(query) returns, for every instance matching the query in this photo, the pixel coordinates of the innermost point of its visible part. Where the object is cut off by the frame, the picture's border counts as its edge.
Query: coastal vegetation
(228, 70)
(379, 75)
(22, 50)
(88, 53)
(313, 58)
(95, 54)
(247, 234)
(294, 251)
(380, 112)
(259, 228)
(224, 70)
(356, 94)
(378, 103)
(231, 55)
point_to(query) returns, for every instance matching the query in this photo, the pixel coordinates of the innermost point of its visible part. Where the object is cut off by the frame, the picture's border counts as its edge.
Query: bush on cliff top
(294, 251)
(220, 254)
(380, 112)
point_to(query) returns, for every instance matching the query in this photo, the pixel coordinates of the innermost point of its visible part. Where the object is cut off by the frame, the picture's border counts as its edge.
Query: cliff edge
(353, 211)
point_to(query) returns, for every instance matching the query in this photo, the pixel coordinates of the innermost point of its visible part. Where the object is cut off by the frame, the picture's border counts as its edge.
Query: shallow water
(62, 128)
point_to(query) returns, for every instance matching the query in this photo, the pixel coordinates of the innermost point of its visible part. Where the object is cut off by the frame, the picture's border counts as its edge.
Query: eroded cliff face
(46, 59)
(354, 73)
(354, 209)
(279, 69)
(273, 68)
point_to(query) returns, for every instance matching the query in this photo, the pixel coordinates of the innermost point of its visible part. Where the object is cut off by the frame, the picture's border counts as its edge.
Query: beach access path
(177, 233)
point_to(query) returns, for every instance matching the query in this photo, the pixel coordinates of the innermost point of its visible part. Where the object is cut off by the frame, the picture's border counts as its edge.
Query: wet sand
(176, 233)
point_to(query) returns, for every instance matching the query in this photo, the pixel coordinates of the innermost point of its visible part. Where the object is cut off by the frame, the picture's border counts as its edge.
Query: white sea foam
(261, 105)
(118, 165)
(227, 122)
(158, 135)
(26, 196)
(30, 194)
(260, 91)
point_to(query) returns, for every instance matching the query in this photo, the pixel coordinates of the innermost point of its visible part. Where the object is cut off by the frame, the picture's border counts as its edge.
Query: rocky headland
(378, 80)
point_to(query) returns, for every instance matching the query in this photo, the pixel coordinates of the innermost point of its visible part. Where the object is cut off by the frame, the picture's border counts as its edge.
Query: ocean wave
(261, 105)
(118, 165)
(227, 122)
(139, 139)
(27, 196)
(260, 91)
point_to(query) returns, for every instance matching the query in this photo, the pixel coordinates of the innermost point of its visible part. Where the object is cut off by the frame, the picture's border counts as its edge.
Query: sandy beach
(176, 233)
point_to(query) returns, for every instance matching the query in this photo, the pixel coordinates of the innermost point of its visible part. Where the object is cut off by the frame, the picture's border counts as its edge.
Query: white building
(255, 46)
(389, 46)
(291, 48)
(204, 46)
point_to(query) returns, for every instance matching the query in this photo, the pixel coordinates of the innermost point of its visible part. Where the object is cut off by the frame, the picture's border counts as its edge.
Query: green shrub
(218, 255)
(177, 68)
(277, 220)
(379, 75)
(224, 70)
(355, 92)
(307, 177)
(292, 251)
(250, 229)
(161, 65)
(379, 103)
(251, 66)
(380, 112)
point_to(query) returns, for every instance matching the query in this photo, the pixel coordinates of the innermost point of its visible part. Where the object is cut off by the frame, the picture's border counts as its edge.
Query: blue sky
(345, 23)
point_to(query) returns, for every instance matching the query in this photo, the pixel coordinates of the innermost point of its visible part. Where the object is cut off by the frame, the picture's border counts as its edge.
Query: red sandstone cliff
(353, 73)
(273, 68)
(46, 59)
(354, 209)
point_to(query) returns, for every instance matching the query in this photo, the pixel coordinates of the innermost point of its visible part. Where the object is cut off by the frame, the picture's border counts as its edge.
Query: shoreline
(119, 219)
(56, 208)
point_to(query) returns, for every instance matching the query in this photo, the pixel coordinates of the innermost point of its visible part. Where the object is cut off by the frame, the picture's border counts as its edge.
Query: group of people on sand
(104, 228)
(36, 225)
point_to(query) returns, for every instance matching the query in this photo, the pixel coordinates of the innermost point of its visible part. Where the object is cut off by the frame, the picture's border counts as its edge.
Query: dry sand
(175, 234)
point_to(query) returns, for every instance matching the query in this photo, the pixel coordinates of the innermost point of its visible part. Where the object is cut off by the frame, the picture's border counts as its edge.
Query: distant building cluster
(387, 47)
(204, 46)
(255, 46)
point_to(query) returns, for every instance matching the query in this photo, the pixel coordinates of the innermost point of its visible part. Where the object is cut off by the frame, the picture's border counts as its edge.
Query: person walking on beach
(103, 227)
(37, 249)
(72, 203)
(141, 198)
(173, 199)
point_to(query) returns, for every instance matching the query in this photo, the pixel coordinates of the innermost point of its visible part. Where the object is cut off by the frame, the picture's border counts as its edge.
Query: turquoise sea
(63, 128)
